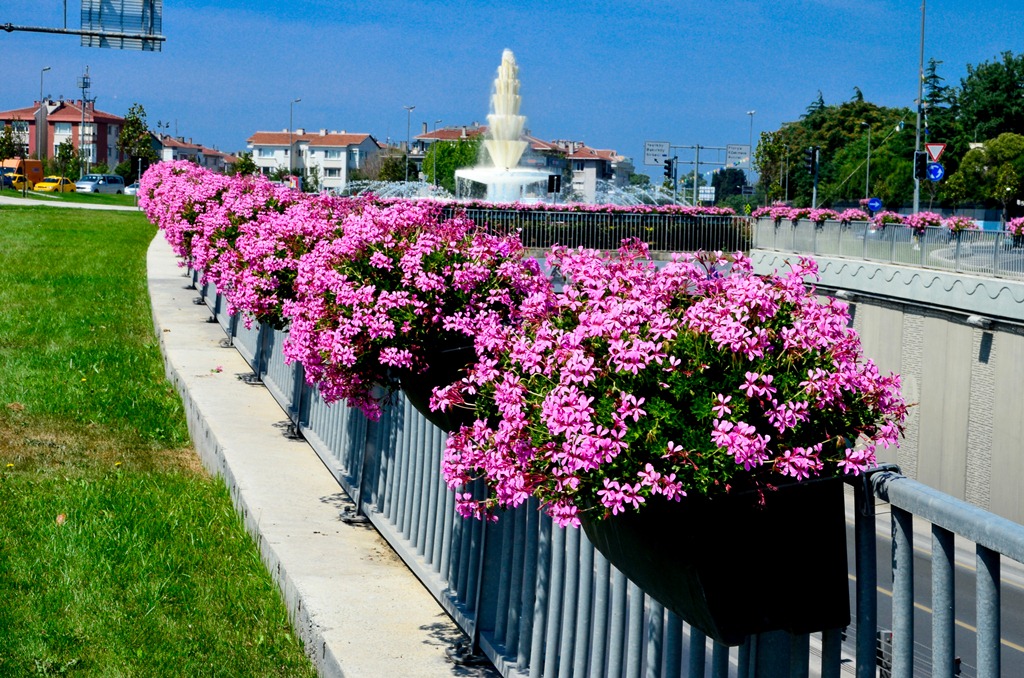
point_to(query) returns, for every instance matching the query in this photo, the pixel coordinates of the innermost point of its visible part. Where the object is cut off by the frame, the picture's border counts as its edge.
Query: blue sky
(612, 74)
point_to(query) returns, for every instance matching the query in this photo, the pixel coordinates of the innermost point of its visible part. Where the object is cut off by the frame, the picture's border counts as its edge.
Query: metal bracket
(252, 379)
(226, 343)
(351, 516)
(869, 494)
(198, 301)
(462, 653)
(292, 432)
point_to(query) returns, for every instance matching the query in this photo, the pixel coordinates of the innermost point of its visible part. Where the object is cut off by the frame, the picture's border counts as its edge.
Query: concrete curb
(358, 609)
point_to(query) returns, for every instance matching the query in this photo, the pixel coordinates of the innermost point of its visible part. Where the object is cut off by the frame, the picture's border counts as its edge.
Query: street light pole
(408, 139)
(436, 123)
(920, 104)
(41, 120)
(867, 173)
(291, 143)
(751, 140)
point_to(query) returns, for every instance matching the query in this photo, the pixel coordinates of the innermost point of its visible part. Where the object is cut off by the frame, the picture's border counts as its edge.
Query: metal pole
(436, 123)
(41, 118)
(696, 172)
(920, 103)
(291, 142)
(867, 173)
(408, 138)
(750, 160)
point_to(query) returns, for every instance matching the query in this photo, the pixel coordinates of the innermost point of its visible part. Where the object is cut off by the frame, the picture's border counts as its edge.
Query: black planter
(445, 366)
(732, 568)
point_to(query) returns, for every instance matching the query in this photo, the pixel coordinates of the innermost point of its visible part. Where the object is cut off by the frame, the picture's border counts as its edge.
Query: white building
(333, 155)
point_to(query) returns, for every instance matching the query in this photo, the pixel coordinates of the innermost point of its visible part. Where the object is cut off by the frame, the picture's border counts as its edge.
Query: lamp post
(920, 105)
(867, 173)
(408, 145)
(291, 154)
(41, 119)
(436, 123)
(751, 140)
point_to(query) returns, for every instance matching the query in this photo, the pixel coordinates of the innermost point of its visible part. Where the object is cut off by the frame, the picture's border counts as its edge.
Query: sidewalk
(10, 199)
(357, 608)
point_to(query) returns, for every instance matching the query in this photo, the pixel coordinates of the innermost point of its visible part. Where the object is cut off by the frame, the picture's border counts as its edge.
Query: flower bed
(637, 382)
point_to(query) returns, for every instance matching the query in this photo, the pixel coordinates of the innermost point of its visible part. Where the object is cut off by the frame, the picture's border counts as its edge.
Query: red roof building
(332, 155)
(40, 129)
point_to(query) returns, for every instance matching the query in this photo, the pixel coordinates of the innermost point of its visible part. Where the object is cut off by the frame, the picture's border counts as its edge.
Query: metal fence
(989, 253)
(539, 601)
(662, 232)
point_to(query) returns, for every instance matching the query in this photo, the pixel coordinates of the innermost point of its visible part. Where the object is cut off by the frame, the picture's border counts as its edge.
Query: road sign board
(655, 152)
(936, 171)
(737, 155)
(875, 204)
(934, 151)
(706, 193)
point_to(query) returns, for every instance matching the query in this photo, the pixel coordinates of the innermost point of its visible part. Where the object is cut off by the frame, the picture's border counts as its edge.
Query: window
(334, 154)
(266, 152)
(20, 126)
(332, 173)
(577, 165)
(62, 128)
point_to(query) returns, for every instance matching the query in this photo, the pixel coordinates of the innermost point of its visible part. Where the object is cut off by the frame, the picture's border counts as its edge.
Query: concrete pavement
(359, 610)
(40, 200)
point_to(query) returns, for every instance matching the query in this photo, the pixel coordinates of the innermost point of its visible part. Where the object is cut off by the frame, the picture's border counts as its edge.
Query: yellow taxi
(17, 181)
(56, 185)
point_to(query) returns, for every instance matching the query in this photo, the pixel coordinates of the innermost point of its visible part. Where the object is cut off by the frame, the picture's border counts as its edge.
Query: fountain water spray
(505, 181)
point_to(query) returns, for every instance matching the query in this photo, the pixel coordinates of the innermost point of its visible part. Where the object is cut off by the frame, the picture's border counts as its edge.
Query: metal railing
(602, 230)
(988, 253)
(538, 600)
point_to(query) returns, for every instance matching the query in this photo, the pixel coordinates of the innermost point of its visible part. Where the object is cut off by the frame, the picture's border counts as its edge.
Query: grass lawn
(119, 555)
(90, 198)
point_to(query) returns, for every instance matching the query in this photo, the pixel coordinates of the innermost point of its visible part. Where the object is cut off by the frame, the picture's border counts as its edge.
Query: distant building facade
(42, 127)
(333, 155)
(168, 148)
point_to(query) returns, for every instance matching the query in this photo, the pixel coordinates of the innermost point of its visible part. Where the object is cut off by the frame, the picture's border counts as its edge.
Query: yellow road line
(961, 624)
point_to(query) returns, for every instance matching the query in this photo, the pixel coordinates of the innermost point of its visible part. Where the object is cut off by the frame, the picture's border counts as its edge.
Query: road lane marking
(962, 624)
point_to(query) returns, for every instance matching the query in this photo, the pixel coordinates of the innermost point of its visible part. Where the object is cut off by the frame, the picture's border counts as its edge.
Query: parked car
(56, 185)
(132, 188)
(100, 183)
(16, 181)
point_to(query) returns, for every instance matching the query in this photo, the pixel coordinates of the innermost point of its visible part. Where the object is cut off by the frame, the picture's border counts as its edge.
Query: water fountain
(503, 179)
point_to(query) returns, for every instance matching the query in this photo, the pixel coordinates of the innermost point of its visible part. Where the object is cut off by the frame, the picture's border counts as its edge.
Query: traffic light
(920, 165)
(668, 168)
(811, 160)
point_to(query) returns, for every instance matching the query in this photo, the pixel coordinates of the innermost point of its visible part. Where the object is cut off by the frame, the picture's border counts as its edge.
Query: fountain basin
(517, 184)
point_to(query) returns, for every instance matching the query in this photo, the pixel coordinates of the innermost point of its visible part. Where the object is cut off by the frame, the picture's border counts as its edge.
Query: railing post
(943, 606)
(989, 627)
(867, 576)
(902, 592)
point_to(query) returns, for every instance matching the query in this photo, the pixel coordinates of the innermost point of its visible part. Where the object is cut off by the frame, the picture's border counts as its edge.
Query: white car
(100, 183)
(132, 188)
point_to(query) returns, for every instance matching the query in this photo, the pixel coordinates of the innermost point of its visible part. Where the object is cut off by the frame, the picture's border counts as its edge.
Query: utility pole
(920, 106)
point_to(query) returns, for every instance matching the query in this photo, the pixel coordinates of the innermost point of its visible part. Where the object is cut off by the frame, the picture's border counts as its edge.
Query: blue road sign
(936, 171)
(875, 204)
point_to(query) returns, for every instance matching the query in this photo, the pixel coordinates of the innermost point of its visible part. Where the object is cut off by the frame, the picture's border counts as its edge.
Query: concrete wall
(964, 435)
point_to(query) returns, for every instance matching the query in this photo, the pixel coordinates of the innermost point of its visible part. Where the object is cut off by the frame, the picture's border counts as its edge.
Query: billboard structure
(118, 24)
(122, 24)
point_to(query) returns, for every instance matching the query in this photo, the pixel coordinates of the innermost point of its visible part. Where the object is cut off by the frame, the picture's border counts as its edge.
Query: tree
(136, 142)
(728, 182)
(444, 157)
(8, 143)
(66, 157)
(639, 180)
(990, 101)
(392, 168)
(245, 165)
(311, 179)
(992, 173)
